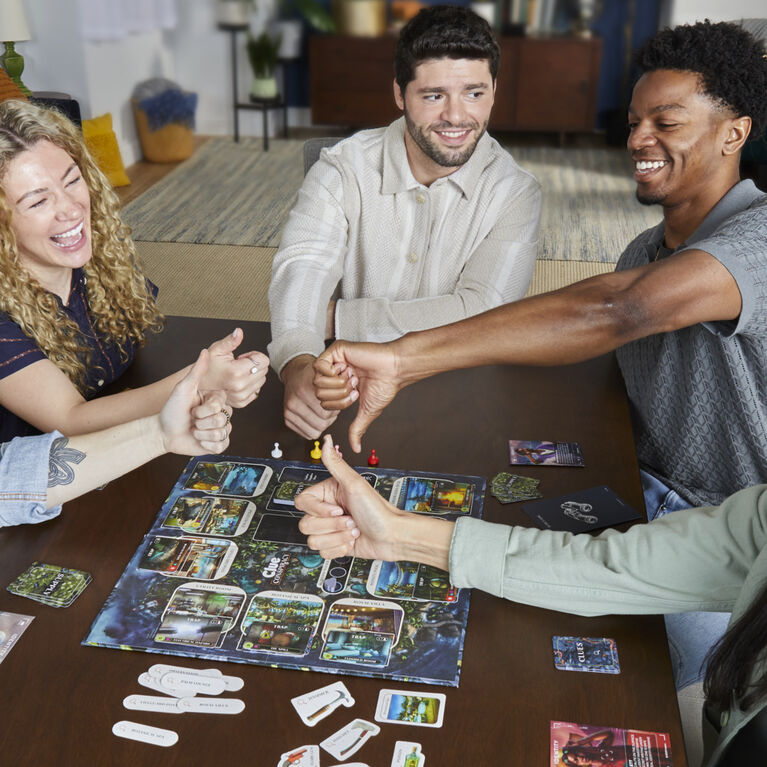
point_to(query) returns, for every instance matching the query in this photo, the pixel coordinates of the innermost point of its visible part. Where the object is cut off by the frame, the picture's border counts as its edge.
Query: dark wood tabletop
(59, 699)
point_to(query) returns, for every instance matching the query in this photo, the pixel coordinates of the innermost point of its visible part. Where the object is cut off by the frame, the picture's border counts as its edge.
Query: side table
(261, 105)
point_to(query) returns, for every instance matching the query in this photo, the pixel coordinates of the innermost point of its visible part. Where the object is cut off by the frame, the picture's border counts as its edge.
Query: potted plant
(263, 52)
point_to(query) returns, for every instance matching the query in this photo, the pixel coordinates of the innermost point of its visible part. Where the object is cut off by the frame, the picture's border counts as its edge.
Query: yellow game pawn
(316, 453)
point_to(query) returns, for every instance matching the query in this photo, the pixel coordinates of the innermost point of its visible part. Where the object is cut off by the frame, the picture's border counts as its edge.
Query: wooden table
(59, 699)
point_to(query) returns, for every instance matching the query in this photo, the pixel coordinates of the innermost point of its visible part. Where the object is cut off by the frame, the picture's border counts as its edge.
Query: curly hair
(730, 62)
(121, 305)
(444, 31)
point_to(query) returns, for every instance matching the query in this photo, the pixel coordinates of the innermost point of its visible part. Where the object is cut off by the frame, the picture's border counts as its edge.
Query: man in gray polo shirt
(403, 228)
(686, 307)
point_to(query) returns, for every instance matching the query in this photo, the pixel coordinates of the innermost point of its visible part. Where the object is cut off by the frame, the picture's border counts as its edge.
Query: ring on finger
(227, 414)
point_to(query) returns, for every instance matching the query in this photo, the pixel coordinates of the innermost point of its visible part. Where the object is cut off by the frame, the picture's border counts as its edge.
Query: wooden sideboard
(544, 83)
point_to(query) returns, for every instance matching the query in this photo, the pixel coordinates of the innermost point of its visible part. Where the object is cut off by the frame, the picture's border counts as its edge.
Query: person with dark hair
(712, 559)
(407, 227)
(686, 308)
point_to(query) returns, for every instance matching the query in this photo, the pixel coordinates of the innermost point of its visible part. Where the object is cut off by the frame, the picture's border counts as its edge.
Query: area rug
(227, 193)
(231, 282)
(237, 194)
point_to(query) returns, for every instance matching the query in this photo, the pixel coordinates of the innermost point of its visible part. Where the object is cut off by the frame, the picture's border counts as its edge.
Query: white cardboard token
(153, 703)
(233, 683)
(406, 754)
(147, 680)
(349, 739)
(156, 736)
(204, 685)
(314, 706)
(212, 705)
(303, 756)
(160, 669)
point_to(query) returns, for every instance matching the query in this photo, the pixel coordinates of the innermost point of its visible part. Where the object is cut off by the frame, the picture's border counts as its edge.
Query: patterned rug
(237, 194)
(230, 282)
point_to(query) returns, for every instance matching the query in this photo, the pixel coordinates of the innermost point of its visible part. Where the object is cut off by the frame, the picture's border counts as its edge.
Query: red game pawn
(372, 458)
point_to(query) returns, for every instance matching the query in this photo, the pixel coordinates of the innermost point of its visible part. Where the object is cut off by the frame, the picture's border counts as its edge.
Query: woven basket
(172, 143)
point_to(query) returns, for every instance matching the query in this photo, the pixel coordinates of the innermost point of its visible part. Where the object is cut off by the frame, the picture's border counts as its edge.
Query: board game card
(407, 754)
(208, 476)
(373, 615)
(409, 707)
(362, 648)
(281, 622)
(12, 626)
(303, 756)
(316, 705)
(293, 481)
(524, 452)
(350, 739)
(599, 655)
(432, 496)
(187, 557)
(410, 581)
(581, 511)
(245, 479)
(573, 743)
(511, 488)
(50, 584)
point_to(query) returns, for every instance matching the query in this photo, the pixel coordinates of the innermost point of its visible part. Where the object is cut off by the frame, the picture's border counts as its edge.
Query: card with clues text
(596, 654)
(50, 584)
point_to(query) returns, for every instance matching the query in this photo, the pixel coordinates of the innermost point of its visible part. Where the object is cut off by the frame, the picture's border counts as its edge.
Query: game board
(224, 574)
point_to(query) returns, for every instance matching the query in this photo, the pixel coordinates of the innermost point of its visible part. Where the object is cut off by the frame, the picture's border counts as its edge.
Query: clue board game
(225, 574)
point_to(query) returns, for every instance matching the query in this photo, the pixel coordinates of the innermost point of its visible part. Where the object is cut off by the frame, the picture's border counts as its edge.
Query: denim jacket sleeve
(24, 480)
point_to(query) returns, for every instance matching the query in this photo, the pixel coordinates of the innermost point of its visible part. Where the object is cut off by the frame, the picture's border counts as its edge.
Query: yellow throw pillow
(102, 144)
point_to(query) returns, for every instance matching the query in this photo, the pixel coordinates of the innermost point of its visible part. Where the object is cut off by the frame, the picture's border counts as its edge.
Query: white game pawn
(276, 452)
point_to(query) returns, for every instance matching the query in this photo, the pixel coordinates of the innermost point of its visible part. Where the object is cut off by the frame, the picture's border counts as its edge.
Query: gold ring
(226, 413)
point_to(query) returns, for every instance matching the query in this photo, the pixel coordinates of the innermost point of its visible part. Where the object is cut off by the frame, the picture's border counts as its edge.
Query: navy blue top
(18, 350)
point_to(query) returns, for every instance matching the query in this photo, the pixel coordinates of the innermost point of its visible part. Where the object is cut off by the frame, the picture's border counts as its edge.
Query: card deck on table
(595, 654)
(581, 511)
(511, 488)
(532, 452)
(12, 626)
(409, 707)
(50, 584)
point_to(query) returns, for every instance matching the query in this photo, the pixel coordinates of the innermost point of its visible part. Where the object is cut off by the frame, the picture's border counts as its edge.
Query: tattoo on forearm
(59, 470)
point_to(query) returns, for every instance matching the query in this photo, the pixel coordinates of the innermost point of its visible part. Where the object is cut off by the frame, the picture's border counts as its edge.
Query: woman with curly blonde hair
(74, 302)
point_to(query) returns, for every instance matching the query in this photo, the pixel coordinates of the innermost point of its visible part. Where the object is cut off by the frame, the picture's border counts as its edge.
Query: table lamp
(13, 29)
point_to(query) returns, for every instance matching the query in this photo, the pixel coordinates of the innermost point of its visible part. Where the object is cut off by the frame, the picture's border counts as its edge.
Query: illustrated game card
(281, 622)
(185, 557)
(584, 743)
(285, 567)
(365, 615)
(50, 584)
(200, 614)
(581, 511)
(316, 705)
(210, 516)
(510, 488)
(598, 655)
(407, 754)
(350, 739)
(432, 496)
(12, 626)
(293, 480)
(244, 479)
(524, 452)
(408, 707)
(410, 580)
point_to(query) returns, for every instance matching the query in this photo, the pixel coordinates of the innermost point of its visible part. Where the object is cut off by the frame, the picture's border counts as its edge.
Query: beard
(444, 158)
(646, 198)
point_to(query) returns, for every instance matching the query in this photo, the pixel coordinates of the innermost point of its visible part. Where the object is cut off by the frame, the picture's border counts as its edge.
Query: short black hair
(444, 32)
(729, 60)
